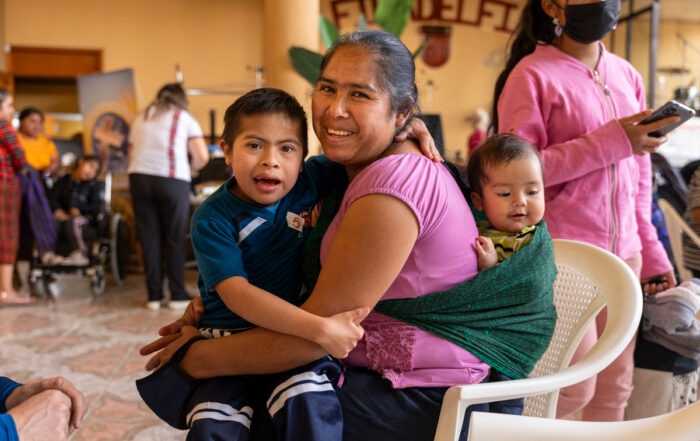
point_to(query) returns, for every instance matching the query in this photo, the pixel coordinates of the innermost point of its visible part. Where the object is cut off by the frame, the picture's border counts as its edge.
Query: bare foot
(13, 298)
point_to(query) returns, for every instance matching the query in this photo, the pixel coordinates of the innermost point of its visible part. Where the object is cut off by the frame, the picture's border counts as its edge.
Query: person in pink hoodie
(581, 105)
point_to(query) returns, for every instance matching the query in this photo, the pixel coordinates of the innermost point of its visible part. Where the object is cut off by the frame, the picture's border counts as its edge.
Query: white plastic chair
(681, 425)
(676, 226)
(588, 279)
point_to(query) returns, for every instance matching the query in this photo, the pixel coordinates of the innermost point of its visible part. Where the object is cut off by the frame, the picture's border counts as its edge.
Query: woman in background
(11, 163)
(160, 140)
(39, 150)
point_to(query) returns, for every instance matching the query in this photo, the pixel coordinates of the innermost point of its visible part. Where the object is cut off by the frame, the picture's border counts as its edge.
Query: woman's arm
(199, 155)
(368, 251)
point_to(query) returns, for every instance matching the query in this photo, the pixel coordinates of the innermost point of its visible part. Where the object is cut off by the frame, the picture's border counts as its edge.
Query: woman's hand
(638, 134)
(656, 284)
(416, 129)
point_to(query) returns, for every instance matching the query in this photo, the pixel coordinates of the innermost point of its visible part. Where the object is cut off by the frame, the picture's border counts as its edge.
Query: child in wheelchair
(76, 200)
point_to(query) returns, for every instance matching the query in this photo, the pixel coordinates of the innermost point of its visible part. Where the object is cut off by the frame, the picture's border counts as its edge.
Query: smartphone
(671, 108)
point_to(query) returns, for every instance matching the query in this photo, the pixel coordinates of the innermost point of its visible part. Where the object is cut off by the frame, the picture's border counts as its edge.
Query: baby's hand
(485, 253)
(342, 331)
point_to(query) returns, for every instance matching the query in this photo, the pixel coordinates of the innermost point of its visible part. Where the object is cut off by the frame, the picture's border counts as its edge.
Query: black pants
(162, 213)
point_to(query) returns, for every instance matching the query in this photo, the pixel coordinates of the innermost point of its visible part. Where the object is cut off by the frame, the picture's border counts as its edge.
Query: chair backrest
(676, 226)
(681, 425)
(588, 279)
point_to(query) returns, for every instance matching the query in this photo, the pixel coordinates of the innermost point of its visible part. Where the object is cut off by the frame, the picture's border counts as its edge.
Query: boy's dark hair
(263, 101)
(90, 158)
(496, 150)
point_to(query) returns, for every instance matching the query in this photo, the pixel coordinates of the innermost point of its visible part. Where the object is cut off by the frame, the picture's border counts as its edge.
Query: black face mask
(591, 22)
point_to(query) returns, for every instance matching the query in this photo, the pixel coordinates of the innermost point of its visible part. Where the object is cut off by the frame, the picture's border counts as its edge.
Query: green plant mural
(391, 15)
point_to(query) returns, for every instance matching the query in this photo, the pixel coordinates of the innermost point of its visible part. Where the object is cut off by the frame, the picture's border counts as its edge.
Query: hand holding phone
(671, 108)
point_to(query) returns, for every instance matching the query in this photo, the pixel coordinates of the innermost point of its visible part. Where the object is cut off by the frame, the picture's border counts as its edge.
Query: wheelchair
(108, 245)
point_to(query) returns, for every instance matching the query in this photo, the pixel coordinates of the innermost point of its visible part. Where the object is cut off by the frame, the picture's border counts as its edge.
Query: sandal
(14, 299)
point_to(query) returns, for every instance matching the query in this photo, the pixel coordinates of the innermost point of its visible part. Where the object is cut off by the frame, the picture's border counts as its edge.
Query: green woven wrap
(505, 315)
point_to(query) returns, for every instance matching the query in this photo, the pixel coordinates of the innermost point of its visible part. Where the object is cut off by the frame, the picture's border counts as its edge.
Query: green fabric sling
(505, 315)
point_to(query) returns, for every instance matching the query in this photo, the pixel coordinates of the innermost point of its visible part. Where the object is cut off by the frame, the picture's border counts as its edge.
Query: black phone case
(671, 108)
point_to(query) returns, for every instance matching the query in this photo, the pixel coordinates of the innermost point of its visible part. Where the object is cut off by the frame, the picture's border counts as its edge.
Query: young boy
(506, 181)
(248, 238)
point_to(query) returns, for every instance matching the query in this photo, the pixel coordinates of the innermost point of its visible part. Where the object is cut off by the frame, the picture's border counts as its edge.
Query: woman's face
(351, 113)
(7, 108)
(32, 125)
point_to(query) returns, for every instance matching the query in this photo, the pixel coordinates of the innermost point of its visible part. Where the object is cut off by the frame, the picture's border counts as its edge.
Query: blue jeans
(512, 407)
(374, 410)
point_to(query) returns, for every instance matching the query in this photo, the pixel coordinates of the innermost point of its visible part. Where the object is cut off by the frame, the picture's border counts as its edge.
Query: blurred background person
(12, 162)
(39, 150)
(160, 140)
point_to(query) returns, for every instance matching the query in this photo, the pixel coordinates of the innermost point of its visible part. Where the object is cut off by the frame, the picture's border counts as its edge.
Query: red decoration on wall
(437, 39)
(499, 13)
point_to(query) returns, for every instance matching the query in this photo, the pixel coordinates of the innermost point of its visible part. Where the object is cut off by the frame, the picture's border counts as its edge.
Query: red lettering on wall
(459, 12)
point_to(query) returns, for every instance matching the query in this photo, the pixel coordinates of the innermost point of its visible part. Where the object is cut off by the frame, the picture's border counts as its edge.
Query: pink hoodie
(597, 190)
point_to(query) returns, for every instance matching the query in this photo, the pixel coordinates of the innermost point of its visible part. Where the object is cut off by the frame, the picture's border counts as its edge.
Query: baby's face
(513, 197)
(266, 158)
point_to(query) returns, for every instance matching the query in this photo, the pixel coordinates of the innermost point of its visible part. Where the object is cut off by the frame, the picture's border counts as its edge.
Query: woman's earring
(557, 27)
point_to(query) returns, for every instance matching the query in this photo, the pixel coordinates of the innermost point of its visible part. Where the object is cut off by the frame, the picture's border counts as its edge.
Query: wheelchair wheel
(119, 248)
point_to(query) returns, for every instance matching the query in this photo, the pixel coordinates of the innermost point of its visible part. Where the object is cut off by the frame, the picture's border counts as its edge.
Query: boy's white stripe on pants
(296, 405)
(220, 412)
(305, 382)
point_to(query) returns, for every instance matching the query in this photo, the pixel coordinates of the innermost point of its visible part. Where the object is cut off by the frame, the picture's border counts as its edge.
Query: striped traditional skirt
(10, 201)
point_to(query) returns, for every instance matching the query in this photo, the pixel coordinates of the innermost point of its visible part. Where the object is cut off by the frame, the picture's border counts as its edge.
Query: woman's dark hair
(266, 100)
(535, 28)
(29, 111)
(170, 95)
(496, 150)
(394, 65)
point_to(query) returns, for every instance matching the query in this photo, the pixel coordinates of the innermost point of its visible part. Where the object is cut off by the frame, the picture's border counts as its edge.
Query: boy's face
(87, 170)
(513, 197)
(266, 158)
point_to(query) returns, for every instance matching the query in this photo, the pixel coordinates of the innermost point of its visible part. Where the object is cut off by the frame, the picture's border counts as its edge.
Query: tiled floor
(92, 341)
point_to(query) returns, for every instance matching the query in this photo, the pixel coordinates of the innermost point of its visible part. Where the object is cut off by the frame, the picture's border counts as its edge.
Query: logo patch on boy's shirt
(295, 221)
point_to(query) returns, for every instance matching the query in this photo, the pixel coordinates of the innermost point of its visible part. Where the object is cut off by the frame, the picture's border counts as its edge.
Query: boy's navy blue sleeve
(6, 388)
(8, 429)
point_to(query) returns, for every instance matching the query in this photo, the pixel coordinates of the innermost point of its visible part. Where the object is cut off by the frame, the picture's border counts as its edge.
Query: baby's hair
(266, 100)
(496, 150)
